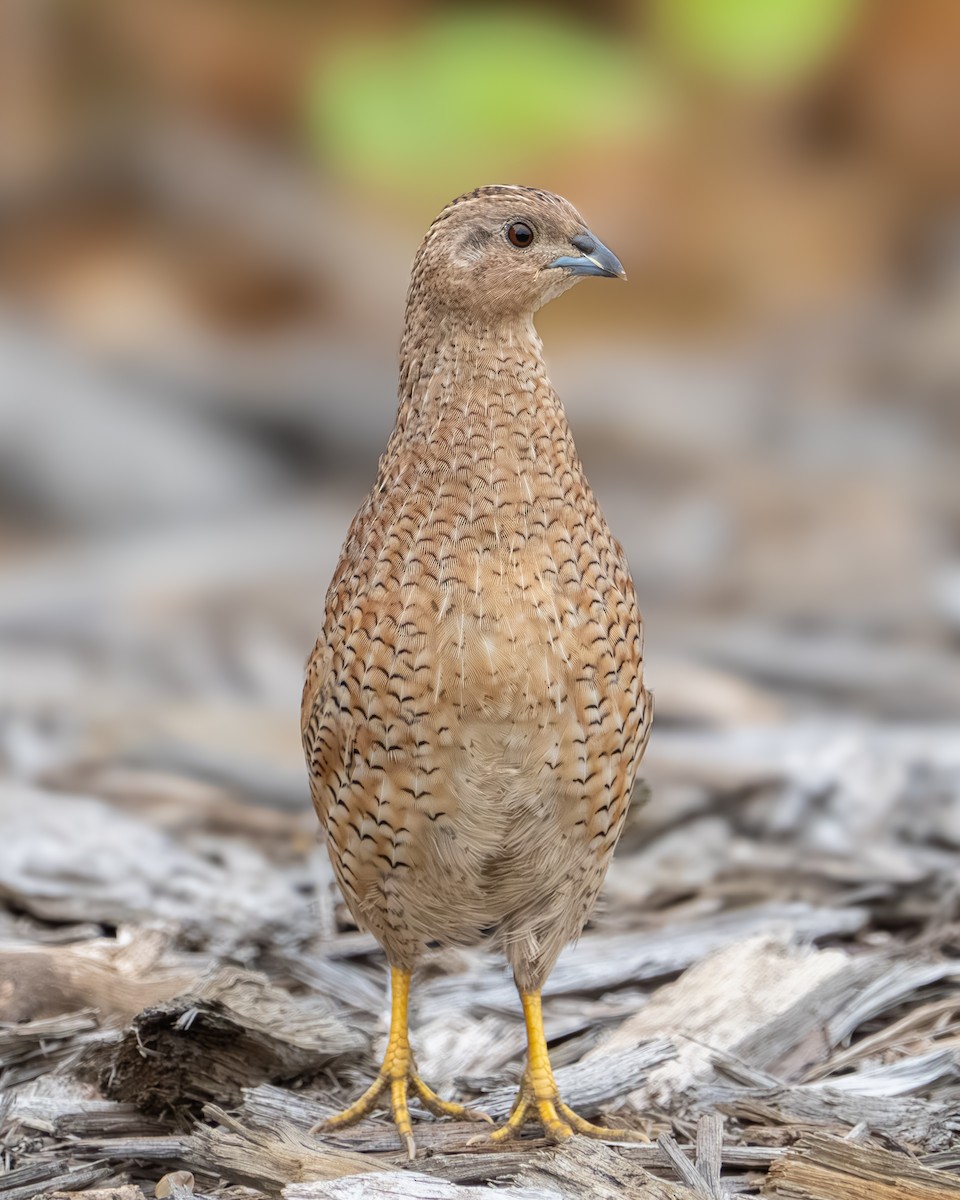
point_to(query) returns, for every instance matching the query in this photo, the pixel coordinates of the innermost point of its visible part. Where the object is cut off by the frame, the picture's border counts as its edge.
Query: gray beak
(594, 258)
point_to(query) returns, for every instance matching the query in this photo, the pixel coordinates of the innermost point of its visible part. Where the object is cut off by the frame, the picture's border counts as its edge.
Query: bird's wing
(327, 730)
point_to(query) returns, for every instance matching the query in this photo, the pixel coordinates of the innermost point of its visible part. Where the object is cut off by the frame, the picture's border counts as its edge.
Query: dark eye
(520, 235)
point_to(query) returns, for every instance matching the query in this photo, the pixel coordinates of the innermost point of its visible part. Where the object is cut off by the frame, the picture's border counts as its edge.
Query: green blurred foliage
(756, 42)
(476, 96)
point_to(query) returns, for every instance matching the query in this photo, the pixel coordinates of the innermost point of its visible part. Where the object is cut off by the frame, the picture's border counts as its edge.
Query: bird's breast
(487, 573)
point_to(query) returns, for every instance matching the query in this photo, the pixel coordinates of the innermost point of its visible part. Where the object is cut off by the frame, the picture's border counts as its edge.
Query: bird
(474, 711)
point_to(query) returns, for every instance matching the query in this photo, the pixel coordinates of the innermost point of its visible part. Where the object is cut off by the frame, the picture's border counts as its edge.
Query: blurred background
(208, 209)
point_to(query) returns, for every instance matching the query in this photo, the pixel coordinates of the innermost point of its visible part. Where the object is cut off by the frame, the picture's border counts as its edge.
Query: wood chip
(234, 1031)
(583, 1167)
(822, 1168)
(269, 1157)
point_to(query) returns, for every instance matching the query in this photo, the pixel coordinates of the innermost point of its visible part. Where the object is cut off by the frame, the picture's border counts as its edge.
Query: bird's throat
(477, 395)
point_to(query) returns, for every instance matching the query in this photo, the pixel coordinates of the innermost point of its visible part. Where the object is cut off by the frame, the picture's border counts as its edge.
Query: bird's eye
(520, 235)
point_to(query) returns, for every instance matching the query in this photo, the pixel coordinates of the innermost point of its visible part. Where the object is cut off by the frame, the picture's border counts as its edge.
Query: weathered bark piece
(265, 1104)
(68, 1117)
(577, 1169)
(702, 1177)
(925, 1124)
(709, 1158)
(126, 1191)
(805, 1033)
(920, 1020)
(234, 1031)
(35, 1048)
(480, 1164)
(270, 1157)
(901, 1077)
(582, 1167)
(483, 1164)
(888, 989)
(163, 1149)
(43, 1179)
(717, 1004)
(824, 1168)
(406, 1185)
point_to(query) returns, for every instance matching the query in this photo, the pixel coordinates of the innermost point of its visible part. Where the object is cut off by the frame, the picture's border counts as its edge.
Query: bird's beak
(594, 258)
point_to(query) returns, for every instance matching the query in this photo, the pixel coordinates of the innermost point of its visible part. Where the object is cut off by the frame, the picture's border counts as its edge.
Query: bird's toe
(444, 1108)
(602, 1132)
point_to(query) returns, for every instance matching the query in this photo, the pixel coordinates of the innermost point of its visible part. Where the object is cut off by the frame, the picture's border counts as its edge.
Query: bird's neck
(463, 382)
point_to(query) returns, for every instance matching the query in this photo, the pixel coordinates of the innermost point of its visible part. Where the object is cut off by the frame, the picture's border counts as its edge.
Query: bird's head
(504, 251)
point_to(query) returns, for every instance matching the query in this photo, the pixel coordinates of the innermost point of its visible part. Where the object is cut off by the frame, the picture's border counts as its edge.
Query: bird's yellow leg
(538, 1089)
(397, 1076)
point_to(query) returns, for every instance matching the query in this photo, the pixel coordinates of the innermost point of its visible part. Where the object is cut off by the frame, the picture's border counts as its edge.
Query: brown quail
(474, 711)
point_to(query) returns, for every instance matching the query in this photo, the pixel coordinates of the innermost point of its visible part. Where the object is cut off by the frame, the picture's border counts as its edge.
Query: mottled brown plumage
(474, 711)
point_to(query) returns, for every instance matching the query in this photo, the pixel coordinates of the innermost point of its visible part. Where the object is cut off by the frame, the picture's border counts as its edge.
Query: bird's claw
(559, 1121)
(399, 1086)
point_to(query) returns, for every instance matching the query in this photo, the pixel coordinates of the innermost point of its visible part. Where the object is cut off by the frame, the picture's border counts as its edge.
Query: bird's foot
(538, 1097)
(398, 1078)
(399, 1084)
